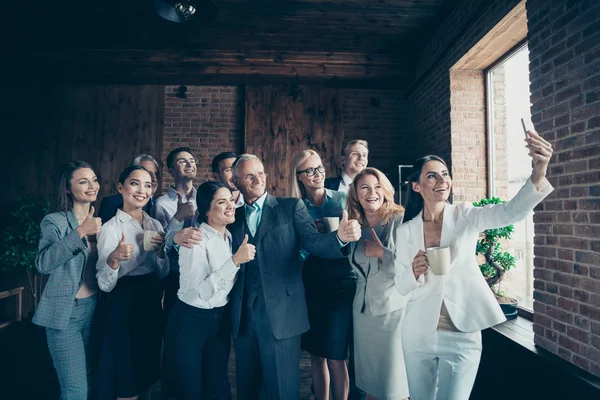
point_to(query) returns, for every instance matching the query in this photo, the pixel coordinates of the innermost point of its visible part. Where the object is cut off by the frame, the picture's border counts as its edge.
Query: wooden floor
(26, 371)
(305, 379)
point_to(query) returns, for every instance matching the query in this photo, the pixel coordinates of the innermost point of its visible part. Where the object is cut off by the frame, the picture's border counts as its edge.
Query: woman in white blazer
(441, 331)
(378, 308)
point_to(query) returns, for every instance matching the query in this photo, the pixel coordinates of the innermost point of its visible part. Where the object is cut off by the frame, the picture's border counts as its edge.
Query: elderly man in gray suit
(267, 302)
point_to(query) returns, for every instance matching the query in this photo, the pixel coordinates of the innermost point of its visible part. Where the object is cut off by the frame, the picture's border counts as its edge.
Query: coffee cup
(439, 260)
(148, 235)
(331, 224)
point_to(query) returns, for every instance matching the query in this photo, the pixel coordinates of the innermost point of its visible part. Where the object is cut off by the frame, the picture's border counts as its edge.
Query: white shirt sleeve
(160, 214)
(204, 280)
(108, 240)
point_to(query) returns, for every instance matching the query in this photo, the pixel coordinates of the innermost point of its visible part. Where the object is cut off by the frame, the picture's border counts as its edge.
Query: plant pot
(508, 306)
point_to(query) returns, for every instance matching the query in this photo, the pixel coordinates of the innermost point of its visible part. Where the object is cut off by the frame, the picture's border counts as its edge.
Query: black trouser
(197, 345)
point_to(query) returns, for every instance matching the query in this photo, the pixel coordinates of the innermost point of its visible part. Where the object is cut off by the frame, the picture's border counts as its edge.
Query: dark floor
(26, 371)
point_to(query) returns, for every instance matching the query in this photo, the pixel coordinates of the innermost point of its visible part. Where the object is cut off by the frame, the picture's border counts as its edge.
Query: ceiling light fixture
(181, 11)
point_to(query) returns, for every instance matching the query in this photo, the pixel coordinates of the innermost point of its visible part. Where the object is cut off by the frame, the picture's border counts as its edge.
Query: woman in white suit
(378, 307)
(441, 331)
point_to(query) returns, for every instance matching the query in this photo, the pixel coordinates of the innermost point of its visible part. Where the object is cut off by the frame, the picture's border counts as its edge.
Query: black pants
(197, 345)
(133, 333)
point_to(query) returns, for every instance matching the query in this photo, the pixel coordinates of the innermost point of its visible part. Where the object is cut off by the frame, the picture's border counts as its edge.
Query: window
(509, 165)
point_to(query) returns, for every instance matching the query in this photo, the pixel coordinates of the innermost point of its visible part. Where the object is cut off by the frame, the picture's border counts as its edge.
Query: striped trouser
(69, 348)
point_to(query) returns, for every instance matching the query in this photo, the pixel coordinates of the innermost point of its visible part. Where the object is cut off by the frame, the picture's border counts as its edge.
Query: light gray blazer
(63, 255)
(376, 292)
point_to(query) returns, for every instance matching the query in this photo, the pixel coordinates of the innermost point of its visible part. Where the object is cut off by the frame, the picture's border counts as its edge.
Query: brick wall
(564, 44)
(380, 117)
(468, 145)
(209, 121)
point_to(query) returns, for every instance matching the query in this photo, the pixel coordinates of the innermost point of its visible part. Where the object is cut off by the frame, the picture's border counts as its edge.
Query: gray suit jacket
(63, 255)
(285, 227)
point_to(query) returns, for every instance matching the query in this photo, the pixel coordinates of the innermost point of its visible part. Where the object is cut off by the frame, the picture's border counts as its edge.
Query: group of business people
(276, 274)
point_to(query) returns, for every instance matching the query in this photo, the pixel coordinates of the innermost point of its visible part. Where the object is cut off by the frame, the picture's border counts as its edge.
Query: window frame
(490, 136)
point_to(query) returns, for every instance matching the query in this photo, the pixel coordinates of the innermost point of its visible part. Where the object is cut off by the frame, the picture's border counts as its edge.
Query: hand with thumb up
(90, 225)
(184, 210)
(349, 230)
(245, 253)
(122, 252)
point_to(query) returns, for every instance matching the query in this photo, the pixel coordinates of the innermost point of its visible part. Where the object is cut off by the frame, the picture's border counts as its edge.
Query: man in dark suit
(110, 204)
(267, 302)
(355, 158)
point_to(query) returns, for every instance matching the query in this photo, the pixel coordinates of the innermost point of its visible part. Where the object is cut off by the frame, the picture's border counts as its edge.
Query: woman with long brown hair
(448, 308)
(67, 252)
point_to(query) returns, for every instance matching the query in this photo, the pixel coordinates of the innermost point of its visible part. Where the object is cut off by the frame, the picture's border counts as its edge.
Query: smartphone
(524, 128)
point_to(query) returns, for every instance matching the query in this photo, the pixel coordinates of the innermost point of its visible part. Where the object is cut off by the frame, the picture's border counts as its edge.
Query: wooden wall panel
(46, 126)
(282, 120)
(106, 126)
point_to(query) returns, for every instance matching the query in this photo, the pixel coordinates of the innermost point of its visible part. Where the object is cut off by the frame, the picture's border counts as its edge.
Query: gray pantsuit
(64, 255)
(69, 347)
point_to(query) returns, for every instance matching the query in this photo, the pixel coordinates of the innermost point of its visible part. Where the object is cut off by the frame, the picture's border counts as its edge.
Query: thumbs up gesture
(184, 210)
(245, 253)
(90, 225)
(349, 230)
(122, 252)
(374, 247)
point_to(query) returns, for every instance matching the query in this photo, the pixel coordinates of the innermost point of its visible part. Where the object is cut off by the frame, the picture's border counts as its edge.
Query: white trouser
(442, 366)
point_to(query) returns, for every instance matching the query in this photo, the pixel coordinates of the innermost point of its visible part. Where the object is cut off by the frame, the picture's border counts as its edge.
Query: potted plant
(19, 239)
(497, 261)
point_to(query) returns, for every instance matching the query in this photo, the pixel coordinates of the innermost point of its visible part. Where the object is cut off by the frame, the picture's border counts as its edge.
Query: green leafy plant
(497, 261)
(19, 238)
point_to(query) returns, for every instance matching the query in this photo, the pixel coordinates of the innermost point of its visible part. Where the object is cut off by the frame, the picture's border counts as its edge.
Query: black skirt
(330, 287)
(133, 333)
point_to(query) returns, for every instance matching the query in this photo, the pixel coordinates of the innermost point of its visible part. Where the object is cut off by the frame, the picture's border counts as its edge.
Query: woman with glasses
(329, 284)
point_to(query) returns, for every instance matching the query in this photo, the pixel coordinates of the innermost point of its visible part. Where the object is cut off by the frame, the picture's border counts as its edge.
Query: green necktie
(252, 218)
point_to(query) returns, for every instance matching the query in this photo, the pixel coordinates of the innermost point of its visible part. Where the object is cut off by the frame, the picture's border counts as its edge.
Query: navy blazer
(63, 255)
(285, 227)
(333, 183)
(110, 204)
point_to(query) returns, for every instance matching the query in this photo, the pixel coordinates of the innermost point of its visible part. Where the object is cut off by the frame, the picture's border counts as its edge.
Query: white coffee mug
(148, 235)
(331, 224)
(439, 260)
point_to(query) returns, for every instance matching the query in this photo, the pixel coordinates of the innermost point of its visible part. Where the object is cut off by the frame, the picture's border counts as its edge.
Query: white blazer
(470, 302)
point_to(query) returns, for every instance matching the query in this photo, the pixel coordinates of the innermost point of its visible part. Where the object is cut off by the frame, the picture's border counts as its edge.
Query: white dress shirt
(240, 201)
(165, 208)
(207, 270)
(142, 262)
(344, 183)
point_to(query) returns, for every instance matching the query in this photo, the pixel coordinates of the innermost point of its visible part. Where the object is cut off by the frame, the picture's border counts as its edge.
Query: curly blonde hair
(388, 208)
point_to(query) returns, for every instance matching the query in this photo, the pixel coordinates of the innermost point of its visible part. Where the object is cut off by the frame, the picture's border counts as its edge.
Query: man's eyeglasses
(251, 177)
(312, 171)
(185, 161)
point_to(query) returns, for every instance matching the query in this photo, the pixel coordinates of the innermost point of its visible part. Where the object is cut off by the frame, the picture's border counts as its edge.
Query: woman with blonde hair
(378, 307)
(329, 283)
